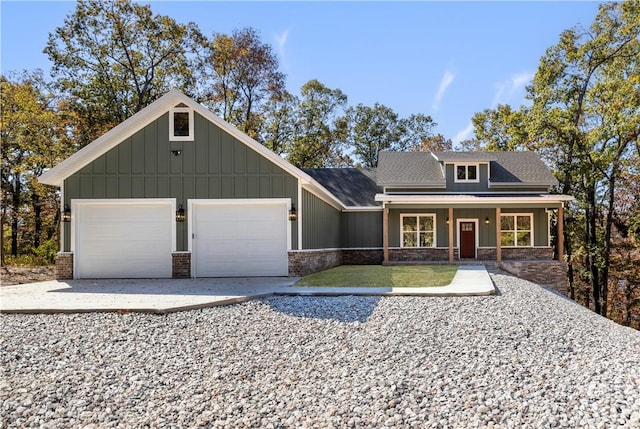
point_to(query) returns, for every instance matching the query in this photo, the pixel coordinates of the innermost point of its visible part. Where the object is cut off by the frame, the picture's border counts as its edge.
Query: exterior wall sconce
(180, 216)
(486, 220)
(447, 221)
(66, 214)
(176, 152)
(293, 214)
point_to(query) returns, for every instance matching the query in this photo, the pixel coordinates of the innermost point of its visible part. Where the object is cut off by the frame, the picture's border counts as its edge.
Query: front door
(467, 240)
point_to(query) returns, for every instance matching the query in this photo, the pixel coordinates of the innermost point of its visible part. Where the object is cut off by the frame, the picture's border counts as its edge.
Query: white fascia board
(352, 209)
(470, 199)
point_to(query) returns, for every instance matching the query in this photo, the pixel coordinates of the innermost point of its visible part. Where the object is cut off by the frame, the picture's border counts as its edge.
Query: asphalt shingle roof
(409, 169)
(352, 186)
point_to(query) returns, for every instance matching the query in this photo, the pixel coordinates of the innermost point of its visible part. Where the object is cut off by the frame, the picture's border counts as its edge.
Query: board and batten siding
(320, 223)
(361, 229)
(215, 165)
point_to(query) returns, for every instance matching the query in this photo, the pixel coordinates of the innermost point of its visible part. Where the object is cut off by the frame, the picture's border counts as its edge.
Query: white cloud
(447, 79)
(509, 89)
(463, 134)
(281, 42)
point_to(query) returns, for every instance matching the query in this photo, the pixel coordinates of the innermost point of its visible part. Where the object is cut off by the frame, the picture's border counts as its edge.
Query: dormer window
(466, 173)
(181, 124)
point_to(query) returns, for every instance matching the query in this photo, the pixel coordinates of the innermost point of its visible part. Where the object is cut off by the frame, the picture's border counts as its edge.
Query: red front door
(467, 240)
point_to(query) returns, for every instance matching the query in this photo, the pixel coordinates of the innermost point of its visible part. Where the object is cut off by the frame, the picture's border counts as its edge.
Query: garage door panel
(124, 240)
(240, 239)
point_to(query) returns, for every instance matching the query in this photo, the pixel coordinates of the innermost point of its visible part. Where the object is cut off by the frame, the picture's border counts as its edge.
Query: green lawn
(382, 276)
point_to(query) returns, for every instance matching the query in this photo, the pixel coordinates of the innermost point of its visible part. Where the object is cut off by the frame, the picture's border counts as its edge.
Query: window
(466, 173)
(516, 230)
(418, 230)
(181, 124)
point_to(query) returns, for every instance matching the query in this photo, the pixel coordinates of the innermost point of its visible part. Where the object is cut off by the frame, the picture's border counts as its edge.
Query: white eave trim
(352, 209)
(471, 199)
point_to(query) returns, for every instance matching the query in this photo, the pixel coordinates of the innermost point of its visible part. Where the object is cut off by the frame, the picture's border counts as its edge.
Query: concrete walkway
(167, 295)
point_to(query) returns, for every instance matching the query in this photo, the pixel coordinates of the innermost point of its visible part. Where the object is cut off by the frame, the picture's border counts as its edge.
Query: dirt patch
(21, 275)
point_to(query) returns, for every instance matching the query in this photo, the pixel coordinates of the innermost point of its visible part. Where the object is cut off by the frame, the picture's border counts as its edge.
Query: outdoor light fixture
(293, 214)
(486, 220)
(176, 152)
(66, 214)
(447, 221)
(180, 214)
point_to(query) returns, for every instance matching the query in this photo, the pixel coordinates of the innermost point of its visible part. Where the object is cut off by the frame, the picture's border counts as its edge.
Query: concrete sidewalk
(167, 295)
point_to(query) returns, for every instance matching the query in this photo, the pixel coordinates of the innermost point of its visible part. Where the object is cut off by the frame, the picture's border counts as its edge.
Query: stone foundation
(373, 256)
(527, 253)
(549, 273)
(64, 266)
(181, 265)
(305, 262)
(420, 254)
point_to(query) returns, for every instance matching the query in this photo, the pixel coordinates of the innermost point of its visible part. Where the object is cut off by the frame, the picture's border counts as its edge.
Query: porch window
(466, 173)
(516, 230)
(181, 124)
(418, 230)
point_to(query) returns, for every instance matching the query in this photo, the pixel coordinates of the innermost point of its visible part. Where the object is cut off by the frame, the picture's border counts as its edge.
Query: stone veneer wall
(305, 262)
(550, 273)
(372, 256)
(181, 265)
(64, 266)
(527, 253)
(416, 254)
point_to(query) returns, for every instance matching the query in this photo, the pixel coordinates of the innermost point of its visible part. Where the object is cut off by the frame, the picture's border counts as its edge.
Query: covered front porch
(452, 228)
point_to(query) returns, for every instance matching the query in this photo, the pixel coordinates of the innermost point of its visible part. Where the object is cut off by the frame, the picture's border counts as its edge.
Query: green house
(174, 191)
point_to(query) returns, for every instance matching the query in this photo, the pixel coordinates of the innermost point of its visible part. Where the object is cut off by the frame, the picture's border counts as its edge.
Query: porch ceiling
(479, 200)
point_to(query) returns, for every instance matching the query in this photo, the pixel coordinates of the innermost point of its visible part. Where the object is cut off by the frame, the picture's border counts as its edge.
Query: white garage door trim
(168, 205)
(192, 209)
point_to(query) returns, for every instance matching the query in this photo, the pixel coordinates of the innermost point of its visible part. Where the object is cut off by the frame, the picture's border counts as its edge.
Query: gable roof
(144, 117)
(409, 169)
(355, 187)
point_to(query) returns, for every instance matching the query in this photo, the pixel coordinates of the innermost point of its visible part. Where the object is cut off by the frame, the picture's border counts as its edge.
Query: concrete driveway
(167, 295)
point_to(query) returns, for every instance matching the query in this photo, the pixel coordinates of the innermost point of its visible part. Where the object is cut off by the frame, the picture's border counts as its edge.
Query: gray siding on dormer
(213, 166)
(452, 186)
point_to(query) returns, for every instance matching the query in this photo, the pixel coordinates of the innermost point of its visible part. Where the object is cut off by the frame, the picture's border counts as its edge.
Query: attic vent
(181, 124)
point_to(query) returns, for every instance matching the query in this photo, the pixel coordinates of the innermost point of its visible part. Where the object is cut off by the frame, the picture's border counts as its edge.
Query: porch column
(498, 244)
(560, 238)
(450, 235)
(385, 234)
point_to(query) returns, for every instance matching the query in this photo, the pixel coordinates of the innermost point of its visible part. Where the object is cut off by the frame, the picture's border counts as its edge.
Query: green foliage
(371, 130)
(382, 276)
(115, 57)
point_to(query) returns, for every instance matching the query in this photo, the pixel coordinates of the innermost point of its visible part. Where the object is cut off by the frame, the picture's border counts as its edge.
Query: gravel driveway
(523, 358)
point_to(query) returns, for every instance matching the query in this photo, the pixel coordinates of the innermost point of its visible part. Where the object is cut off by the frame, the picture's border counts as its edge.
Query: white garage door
(117, 239)
(239, 239)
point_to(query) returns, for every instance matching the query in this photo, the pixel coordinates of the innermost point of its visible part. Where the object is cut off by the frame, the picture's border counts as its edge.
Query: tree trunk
(591, 240)
(16, 201)
(37, 213)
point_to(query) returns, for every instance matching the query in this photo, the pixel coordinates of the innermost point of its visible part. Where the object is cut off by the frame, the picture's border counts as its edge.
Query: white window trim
(515, 224)
(466, 165)
(435, 241)
(476, 229)
(174, 138)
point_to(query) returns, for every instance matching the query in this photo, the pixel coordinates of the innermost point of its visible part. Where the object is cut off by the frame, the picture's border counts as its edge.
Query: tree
(34, 137)
(585, 111)
(320, 128)
(115, 57)
(244, 77)
(417, 133)
(371, 130)
(500, 129)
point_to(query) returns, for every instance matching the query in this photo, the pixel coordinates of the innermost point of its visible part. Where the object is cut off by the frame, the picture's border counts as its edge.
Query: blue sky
(448, 60)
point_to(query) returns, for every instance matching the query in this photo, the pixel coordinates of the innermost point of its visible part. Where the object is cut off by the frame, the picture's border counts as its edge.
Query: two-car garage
(136, 238)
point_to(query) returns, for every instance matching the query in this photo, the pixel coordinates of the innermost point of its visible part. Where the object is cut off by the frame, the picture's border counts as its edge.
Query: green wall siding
(452, 186)
(361, 229)
(215, 165)
(486, 232)
(320, 223)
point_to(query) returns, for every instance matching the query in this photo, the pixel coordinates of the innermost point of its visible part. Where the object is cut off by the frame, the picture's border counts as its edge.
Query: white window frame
(515, 230)
(172, 112)
(417, 216)
(466, 166)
